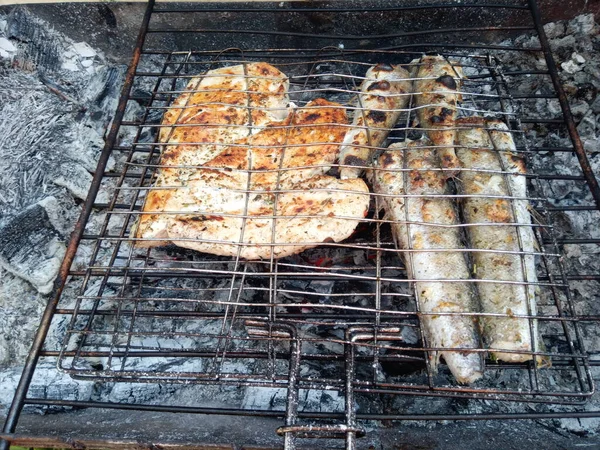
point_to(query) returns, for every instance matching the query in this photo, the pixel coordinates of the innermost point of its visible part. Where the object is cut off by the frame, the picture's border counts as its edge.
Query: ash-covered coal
(31, 247)
(56, 101)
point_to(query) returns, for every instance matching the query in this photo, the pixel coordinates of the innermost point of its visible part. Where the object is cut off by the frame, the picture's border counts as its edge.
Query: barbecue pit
(338, 322)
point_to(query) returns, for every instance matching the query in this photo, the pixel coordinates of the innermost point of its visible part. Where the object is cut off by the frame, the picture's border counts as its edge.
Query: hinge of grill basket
(350, 430)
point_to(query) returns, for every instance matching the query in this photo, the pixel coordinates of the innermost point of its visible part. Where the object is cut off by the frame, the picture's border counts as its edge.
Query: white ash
(84, 50)
(51, 127)
(7, 48)
(22, 306)
(47, 381)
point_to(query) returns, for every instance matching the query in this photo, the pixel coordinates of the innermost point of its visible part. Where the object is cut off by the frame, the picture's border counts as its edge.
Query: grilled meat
(221, 107)
(383, 95)
(421, 224)
(264, 194)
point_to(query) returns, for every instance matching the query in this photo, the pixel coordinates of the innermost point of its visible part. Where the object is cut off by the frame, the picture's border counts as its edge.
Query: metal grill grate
(342, 316)
(351, 294)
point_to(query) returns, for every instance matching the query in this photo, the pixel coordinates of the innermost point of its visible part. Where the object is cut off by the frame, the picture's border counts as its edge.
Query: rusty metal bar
(111, 139)
(106, 444)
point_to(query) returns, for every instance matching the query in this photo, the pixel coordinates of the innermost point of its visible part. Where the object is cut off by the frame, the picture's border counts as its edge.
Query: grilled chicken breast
(383, 95)
(437, 91)
(307, 141)
(420, 224)
(510, 338)
(262, 195)
(221, 107)
(213, 217)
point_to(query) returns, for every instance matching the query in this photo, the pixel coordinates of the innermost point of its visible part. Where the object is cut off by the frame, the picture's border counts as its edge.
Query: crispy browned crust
(249, 88)
(381, 101)
(199, 200)
(471, 122)
(310, 136)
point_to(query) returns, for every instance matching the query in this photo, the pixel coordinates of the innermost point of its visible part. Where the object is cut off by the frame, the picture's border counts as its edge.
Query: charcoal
(50, 137)
(39, 50)
(579, 109)
(47, 383)
(587, 92)
(31, 248)
(20, 25)
(143, 97)
(571, 66)
(83, 50)
(583, 24)
(587, 126)
(103, 86)
(554, 29)
(76, 179)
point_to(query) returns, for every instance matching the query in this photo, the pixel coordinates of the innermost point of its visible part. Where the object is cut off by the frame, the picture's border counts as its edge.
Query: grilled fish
(383, 95)
(511, 339)
(420, 224)
(437, 91)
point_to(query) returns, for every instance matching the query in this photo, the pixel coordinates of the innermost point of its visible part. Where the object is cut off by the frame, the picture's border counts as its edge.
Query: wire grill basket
(209, 318)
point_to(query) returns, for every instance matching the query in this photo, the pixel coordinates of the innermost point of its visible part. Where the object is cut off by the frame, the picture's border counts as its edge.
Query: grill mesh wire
(350, 294)
(327, 319)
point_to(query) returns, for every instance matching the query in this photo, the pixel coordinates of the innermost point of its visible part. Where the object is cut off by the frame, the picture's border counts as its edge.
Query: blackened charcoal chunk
(587, 92)
(414, 135)
(154, 116)
(39, 48)
(103, 87)
(20, 25)
(142, 96)
(31, 248)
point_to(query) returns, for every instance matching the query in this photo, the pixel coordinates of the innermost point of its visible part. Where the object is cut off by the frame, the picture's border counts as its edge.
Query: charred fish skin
(384, 93)
(437, 84)
(414, 228)
(486, 207)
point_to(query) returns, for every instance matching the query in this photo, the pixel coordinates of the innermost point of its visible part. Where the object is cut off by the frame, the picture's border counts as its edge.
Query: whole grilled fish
(384, 93)
(480, 151)
(421, 224)
(437, 91)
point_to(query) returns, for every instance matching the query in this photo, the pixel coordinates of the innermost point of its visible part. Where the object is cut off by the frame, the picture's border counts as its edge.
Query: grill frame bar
(36, 352)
